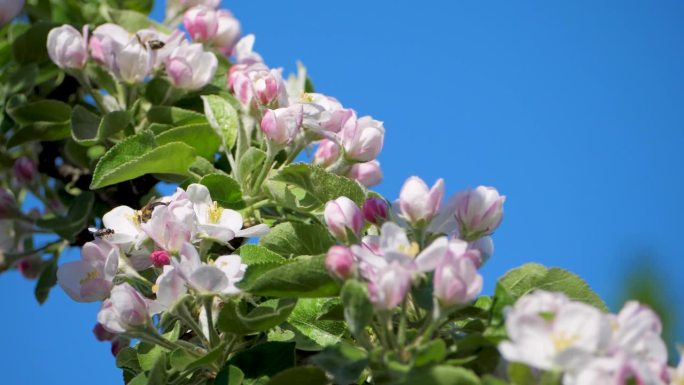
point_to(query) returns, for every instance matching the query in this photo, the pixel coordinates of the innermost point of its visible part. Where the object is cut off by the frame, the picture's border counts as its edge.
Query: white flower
(190, 67)
(90, 279)
(126, 225)
(125, 310)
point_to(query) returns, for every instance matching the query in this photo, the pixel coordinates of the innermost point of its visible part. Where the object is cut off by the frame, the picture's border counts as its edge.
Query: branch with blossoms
(269, 261)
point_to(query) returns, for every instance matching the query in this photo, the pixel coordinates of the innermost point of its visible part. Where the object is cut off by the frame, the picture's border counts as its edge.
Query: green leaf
(139, 155)
(265, 359)
(181, 360)
(229, 375)
(344, 362)
(148, 354)
(255, 254)
(301, 375)
(199, 136)
(293, 238)
(250, 164)
(431, 353)
(142, 6)
(46, 281)
(224, 190)
(303, 277)
(42, 120)
(75, 221)
(520, 374)
(88, 129)
(526, 278)
(223, 118)
(358, 311)
(311, 333)
(133, 21)
(235, 318)
(321, 185)
(442, 375)
(491, 380)
(174, 116)
(140, 379)
(128, 359)
(201, 166)
(31, 46)
(158, 373)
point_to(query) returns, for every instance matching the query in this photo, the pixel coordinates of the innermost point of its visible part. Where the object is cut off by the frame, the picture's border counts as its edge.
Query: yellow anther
(306, 97)
(562, 341)
(410, 250)
(155, 288)
(214, 213)
(89, 277)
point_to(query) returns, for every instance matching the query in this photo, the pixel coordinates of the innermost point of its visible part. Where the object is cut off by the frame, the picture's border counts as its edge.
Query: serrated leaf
(88, 129)
(139, 155)
(255, 254)
(311, 333)
(235, 318)
(293, 238)
(323, 186)
(223, 118)
(224, 190)
(301, 375)
(199, 136)
(303, 277)
(526, 278)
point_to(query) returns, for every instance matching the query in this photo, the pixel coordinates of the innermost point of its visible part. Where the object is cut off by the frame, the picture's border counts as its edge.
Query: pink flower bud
(282, 125)
(9, 9)
(340, 261)
(484, 248)
(479, 212)
(456, 281)
(228, 32)
(343, 216)
(124, 310)
(134, 62)
(201, 23)
(24, 170)
(67, 48)
(376, 211)
(8, 206)
(30, 267)
(389, 287)
(101, 334)
(327, 153)
(257, 84)
(362, 141)
(160, 258)
(419, 203)
(106, 43)
(190, 68)
(368, 174)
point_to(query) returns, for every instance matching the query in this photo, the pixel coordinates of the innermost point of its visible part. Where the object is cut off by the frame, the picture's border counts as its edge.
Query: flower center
(89, 277)
(562, 341)
(214, 213)
(410, 250)
(306, 97)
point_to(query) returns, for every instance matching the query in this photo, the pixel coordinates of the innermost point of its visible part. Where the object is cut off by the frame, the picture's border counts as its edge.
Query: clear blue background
(572, 109)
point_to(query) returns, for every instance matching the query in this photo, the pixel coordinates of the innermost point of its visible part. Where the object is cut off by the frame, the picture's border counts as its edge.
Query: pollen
(562, 341)
(89, 277)
(155, 288)
(411, 250)
(214, 213)
(306, 97)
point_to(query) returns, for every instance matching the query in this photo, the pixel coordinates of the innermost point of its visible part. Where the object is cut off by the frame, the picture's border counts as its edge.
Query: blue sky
(571, 109)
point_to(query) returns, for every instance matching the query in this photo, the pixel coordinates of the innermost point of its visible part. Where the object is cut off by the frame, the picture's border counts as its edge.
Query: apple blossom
(67, 47)
(170, 42)
(125, 310)
(327, 153)
(282, 125)
(244, 51)
(619, 369)
(456, 281)
(368, 174)
(216, 222)
(389, 287)
(24, 170)
(90, 278)
(102, 334)
(201, 22)
(133, 62)
(106, 43)
(190, 67)
(228, 32)
(256, 83)
(160, 258)
(376, 210)
(340, 261)
(324, 114)
(637, 329)
(171, 225)
(344, 218)
(125, 222)
(417, 202)
(362, 142)
(485, 248)
(479, 212)
(170, 286)
(9, 9)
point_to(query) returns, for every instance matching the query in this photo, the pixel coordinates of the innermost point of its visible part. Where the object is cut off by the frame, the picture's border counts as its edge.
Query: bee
(101, 233)
(156, 44)
(145, 213)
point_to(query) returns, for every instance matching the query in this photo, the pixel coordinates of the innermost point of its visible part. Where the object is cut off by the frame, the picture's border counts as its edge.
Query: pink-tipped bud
(160, 258)
(67, 47)
(228, 32)
(376, 211)
(363, 139)
(30, 267)
(343, 217)
(327, 153)
(456, 281)
(282, 125)
(479, 212)
(24, 170)
(201, 22)
(418, 202)
(340, 262)
(102, 334)
(368, 174)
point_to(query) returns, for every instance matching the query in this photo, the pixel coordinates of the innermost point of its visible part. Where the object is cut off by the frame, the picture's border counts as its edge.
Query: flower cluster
(166, 239)
(422, 236)
(548, 331)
